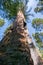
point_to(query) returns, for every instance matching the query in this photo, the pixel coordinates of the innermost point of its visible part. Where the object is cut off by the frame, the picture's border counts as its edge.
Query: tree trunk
(14, 49)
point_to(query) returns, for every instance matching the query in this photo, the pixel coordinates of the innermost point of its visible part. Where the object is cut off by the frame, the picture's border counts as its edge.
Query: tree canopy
(39, 39)
(37, 23)
(11, 7)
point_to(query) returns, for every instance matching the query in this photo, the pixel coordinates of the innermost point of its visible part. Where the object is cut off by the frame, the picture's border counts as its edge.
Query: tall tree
(15, 8)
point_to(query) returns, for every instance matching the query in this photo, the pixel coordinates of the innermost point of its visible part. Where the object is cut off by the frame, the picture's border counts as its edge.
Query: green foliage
(38, 40)
(12, 7)
(41, 34)
(40, 3)
(37, 22)
(1, 22)
(38, 9)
